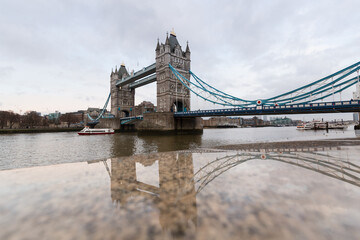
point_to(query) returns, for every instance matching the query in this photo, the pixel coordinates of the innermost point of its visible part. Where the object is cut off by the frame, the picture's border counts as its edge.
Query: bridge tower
(122, 98)
(172, 96)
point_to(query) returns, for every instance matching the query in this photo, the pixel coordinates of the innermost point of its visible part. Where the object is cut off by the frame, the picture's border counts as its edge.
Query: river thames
(28, 150)
(245, 183)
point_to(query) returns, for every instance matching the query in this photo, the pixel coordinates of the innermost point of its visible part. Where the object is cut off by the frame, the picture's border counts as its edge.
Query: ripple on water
(204, 195)
(28, 150)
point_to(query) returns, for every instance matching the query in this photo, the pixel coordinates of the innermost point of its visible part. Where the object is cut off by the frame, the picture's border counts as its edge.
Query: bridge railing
(125, 120)
(264, 109)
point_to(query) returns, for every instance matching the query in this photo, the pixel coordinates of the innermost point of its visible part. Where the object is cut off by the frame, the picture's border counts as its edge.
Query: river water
(133, 186)
(28, 150)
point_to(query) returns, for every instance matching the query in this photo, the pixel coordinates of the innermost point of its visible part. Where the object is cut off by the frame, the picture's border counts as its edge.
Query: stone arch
(177, 106)
(124, 113)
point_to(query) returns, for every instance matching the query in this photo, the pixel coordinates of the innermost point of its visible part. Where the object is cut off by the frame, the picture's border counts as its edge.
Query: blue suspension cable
(222, 96)
(103, 110)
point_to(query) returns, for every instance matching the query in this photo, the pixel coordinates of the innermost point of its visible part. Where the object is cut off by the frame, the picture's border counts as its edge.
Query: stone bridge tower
(122, 98)
(172, 95)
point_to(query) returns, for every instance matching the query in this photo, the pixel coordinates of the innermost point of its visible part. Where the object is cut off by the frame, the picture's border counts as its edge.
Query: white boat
(319, 125)
(337, 125)
(96, 131)
(305, 126)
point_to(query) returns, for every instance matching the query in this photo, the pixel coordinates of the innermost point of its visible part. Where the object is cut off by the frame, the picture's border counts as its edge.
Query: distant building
(252, 122)
(356, 117)
(93, 112)
(78, 116)
(222, 122)
(53, 117)
(282, 121)
(144, 107)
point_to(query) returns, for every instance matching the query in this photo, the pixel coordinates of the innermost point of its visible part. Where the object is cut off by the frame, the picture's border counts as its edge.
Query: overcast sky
(58, 55)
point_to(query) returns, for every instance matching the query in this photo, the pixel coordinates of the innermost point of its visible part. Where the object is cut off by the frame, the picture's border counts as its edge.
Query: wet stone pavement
(260, 194)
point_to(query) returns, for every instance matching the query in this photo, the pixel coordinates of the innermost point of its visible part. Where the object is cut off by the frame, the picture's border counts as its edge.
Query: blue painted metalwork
(102, 111)
(221, 93)
(137, 75)
(180, 77)
(321, 90)
(129, 119)
(308, 108)
(143, 81)
(316, 91)
(318, 81)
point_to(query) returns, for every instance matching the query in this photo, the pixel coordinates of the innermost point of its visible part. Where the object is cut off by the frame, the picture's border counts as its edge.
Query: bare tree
(31, 119)
(69, 118)
(4, 118)
(13, 118)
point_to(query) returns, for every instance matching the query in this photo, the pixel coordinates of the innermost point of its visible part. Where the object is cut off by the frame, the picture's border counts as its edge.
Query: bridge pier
(166, 122)
(113, 123)
(156, 122)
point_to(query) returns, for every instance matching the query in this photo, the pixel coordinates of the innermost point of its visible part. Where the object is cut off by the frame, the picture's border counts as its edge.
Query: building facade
(122, 98)
(172, 95)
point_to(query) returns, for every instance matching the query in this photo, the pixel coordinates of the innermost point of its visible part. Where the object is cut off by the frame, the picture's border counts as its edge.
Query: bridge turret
(167, 44)
(171, 94)
(122, 98)
(157, 50)
(187, 51)
(187, 55)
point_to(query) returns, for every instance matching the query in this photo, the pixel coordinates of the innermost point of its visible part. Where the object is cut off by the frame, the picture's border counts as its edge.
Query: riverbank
(38, 130)
(293, 145)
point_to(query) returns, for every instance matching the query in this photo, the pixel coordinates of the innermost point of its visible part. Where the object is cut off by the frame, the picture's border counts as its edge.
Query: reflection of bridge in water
(325, 164)
(173, 193)
(173, 188)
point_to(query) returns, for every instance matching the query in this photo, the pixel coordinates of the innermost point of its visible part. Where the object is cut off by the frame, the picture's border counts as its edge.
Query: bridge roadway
(309, 108)
(146, 71)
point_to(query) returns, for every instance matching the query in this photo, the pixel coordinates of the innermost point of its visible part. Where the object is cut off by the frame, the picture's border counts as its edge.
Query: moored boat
(96, 131)
(305, 126)
(320, 125)
(300, 127)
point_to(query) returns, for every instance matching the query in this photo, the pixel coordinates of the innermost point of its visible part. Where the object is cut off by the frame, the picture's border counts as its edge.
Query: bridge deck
(311, 108)
(143, 81)
(137, 75)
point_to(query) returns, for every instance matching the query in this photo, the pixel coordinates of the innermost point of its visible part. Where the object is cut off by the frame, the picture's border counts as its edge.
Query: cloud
(251, 49)
(5, 73)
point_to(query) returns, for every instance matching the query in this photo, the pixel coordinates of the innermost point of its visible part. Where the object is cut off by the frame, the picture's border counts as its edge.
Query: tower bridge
(176, 178)
(172, 94)
(174, 87)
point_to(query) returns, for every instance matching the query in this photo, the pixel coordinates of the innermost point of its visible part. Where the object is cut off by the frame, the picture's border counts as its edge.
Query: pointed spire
(167, 39)
(187, 47)
(158, 45)
(116, 69)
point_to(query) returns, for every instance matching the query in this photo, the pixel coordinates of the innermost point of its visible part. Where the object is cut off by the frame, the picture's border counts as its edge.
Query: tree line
(31, 119)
